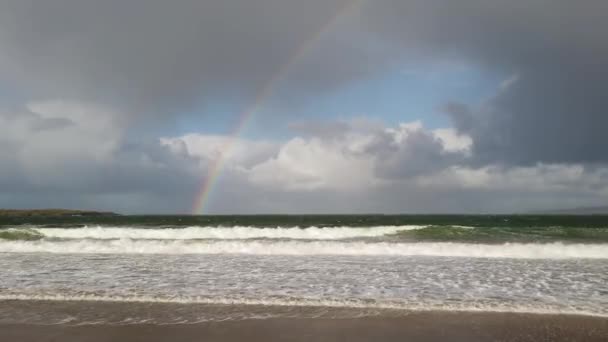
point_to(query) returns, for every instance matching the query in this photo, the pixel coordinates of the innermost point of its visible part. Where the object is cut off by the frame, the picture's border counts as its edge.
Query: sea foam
(224, 233)
(351, 248)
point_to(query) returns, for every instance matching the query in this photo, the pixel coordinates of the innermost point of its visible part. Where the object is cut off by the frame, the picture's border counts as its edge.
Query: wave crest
(260, 247)
(223, 233)
(20, 234)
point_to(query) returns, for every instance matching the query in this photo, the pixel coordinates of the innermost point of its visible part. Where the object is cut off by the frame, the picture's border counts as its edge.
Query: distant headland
(53, 213)
(577, 211)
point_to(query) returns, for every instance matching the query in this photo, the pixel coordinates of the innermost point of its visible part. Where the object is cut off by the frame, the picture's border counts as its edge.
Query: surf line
(217, 166)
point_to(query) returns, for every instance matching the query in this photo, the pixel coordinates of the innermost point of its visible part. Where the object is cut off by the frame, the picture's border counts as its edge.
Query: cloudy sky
(317, 106)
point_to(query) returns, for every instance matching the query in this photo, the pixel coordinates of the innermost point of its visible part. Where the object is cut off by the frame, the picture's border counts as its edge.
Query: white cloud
(83, 157)
(314, 164)
(452, 140)
(236, 152)
(391, 169)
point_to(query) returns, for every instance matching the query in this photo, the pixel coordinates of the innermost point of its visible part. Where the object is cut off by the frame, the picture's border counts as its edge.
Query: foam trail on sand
(257, 247)
(312, 302)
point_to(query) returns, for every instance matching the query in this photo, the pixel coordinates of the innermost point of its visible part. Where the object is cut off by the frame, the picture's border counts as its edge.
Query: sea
(187, 269)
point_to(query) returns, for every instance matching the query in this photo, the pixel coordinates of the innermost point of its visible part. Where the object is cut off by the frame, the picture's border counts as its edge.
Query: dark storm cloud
(163, 56)
(418, 154)
(556, 111)
(547, 117)
(156, 57)
(153, 54)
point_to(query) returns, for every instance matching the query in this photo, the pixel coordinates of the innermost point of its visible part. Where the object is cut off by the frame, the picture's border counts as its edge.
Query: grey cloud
(418, 154)
(556, 110)
(148, 167)
(153, 55)
(35, 122)
(159, 56)
(10, 168)
(398, 153)
(400, 198)
(132, 169)
(547, 117)
(51, 123)
(462, 116)
(145, 177)
(158, 179)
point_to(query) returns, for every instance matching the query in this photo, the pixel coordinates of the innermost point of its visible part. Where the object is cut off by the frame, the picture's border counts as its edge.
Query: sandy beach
(269, 279)
(421, 326)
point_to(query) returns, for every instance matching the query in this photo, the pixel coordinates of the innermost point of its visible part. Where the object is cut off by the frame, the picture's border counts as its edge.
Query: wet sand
(427, 326)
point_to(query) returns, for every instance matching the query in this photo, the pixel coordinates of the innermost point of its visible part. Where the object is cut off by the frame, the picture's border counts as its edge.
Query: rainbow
(217, 166)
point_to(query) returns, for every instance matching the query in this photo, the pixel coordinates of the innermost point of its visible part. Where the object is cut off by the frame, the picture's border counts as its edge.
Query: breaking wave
(261, 247)
(20, 234)
(216, 233)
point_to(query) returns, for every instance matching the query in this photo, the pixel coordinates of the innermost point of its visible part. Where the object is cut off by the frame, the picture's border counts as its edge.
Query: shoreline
(82, 321)
(12, 302)
(429, 326)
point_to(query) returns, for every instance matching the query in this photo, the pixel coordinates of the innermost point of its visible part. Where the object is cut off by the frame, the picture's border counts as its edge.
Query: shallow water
(409, 283)
(398, 267)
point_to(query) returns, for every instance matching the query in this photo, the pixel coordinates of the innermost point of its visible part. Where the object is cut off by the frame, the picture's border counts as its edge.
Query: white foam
(224, 233)
(261, 247)
(318, 302)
